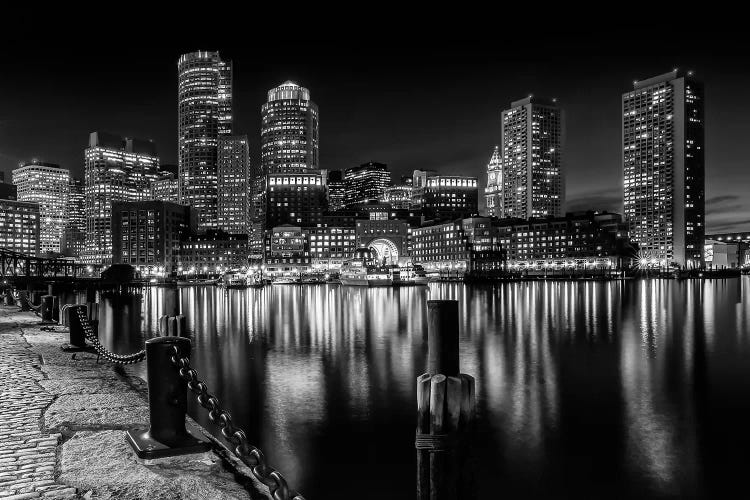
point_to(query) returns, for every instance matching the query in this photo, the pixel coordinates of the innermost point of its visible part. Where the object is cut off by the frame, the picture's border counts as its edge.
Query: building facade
(663, 164)
(204, 115)
(450, 197)
(73, 242)
(399, 196)
(19, 227)
(234, 183)
(289, 130)
(297, 199)
(389, 239)
(532, 175)
(148, 235)
(48, 185)
(493, 193)
(336, 190)
(366, 182)
(117, 169)
(165, 188)
(212, 253)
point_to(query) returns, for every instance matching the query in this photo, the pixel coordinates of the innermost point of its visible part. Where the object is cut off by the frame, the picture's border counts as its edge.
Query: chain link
(120, 359)
(249, 454)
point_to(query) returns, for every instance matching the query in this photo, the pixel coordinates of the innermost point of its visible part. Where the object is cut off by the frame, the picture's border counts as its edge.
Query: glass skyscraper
(234, 174)
(663, 167)
(532, 174)
(204, 115)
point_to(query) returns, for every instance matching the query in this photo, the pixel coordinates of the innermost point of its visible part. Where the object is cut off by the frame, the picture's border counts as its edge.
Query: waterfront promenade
(62, 422)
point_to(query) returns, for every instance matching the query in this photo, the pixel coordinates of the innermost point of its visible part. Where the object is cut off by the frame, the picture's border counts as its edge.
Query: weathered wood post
(445, 410)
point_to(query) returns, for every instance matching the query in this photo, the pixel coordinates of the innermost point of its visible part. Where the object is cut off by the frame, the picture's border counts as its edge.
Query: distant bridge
(15, 266)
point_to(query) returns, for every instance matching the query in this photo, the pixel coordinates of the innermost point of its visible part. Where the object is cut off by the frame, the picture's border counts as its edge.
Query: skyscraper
(48, 185)
(117, 169)
(493, 193)
(234, 177)
(366, 182)
(336, 190)
(289, 130)
(74, 235)
(532, 174)
(204, 115)
(663, 166)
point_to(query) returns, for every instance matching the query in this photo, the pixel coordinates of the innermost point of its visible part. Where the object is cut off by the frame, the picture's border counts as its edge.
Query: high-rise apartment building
(493, 193)
(48, 185)
(336, 190)
(204, 115)
(289, 130)
(663, 166)
(117, 169)
(234, 183)
(532, 176)
(366, 182)
(165, 188)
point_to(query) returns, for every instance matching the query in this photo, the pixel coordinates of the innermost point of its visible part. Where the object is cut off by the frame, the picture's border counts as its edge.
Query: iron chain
(249, 454)
(120, 359)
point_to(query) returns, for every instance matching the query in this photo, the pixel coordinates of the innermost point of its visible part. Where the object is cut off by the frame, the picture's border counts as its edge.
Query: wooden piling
(445, 411)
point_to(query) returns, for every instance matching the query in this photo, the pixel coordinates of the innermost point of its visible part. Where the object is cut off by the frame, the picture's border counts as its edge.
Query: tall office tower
(165, 188)
(336, 190)
(366, 182)
(48, 185)
(493, 193)
(74, 235)
(234, 182)
(663, 166)
(117, 169)
(204, 115)
(289, 130)
(19, 226)
(532, 159)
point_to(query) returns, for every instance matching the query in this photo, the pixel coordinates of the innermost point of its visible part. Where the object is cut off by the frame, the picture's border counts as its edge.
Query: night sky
(419, 98)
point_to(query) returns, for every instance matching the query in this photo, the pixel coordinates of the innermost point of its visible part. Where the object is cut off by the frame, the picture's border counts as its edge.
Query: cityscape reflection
(582, 387)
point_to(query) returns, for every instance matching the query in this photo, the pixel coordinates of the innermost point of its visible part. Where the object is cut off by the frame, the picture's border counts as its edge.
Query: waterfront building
(165, 188)
(419, 184)
(532, 175)
(741, 239)
(298, 199)
(234, 183)
(449, 197)
(366, 182)
(117, 169)
(663, 165)
(289, 130)
(204, 116)
(287, 251)
(458, 247)
(19, 226)
(48, 185)
(493, 193)
(330, 246)
(336, 190)
(212, 253)
(388, 239)
(578, 242)
(399, 196)
(723, 254)
(148, 234)
(74, 235)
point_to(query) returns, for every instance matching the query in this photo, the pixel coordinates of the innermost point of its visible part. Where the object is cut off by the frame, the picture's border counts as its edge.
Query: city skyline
(406, 137)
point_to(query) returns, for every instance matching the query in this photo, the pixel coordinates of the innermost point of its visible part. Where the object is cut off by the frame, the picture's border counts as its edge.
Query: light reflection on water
(594, 389)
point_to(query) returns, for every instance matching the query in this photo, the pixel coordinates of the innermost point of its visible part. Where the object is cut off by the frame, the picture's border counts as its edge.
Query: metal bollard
(168, 434)
(77, 336)
(46, 312)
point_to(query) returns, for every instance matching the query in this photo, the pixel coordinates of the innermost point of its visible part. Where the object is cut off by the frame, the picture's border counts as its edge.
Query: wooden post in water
(445, 411)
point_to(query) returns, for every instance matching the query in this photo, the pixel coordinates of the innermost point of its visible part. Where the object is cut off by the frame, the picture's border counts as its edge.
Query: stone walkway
(62, 422)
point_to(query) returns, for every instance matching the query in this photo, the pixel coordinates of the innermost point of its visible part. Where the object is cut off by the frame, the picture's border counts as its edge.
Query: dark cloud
(607, 199)
(721, 199)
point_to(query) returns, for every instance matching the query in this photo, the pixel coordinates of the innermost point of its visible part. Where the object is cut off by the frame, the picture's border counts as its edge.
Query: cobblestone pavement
(62, 422)
(28, 455)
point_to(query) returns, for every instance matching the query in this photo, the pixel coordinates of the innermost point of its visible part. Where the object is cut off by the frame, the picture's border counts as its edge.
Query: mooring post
(173, 326)
(47, 307)
(77, 336)
(445, 411)
(167, 405)
(172, 301)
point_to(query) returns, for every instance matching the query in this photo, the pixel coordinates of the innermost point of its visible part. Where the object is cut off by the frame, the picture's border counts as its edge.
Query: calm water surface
(635, 389)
